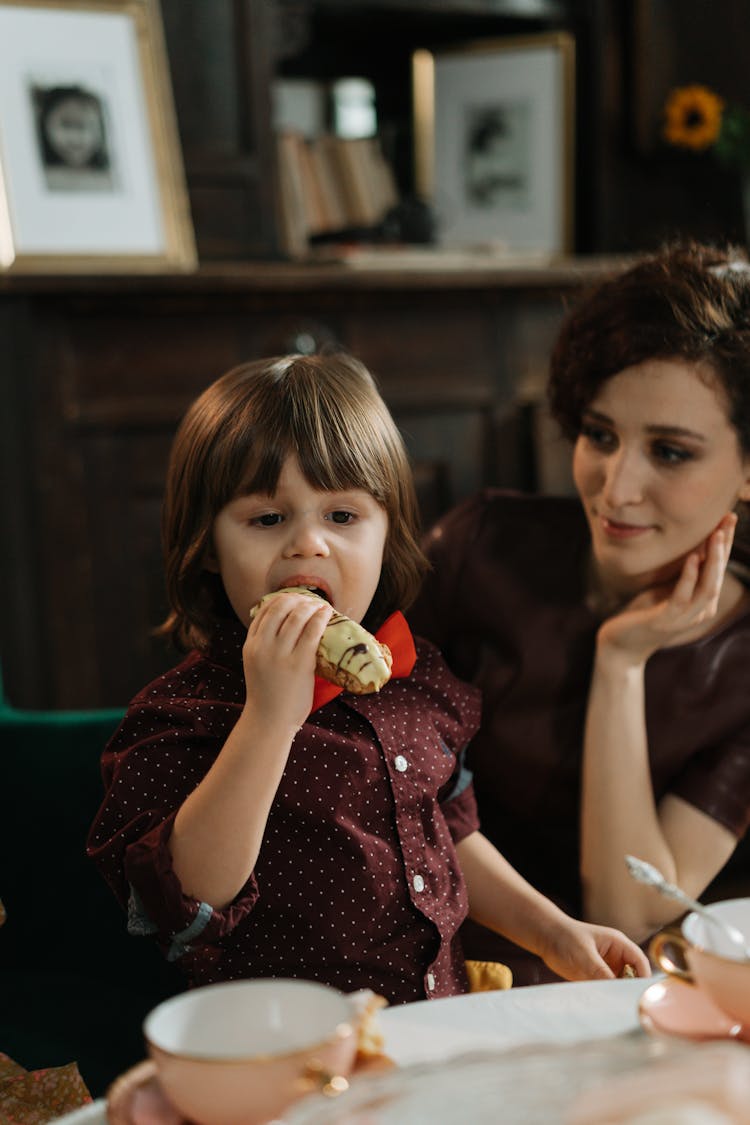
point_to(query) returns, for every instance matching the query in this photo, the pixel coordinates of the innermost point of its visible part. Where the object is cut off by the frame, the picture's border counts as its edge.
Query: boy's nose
(306, 541)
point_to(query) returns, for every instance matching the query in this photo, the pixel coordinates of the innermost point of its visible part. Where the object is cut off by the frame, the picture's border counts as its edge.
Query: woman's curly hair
(687, 302)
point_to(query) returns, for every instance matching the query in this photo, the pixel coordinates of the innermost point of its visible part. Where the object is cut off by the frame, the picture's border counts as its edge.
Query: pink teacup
(696, 955)
(240, 1053)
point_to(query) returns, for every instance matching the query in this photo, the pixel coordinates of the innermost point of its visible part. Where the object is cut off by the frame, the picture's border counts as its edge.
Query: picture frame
(91, 174)
(494, 142)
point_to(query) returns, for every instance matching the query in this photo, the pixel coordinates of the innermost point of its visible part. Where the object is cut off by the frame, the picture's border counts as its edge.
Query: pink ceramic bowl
(239, 1053)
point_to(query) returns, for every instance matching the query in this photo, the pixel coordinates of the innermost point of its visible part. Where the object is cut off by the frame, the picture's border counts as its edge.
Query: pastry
(347, 655)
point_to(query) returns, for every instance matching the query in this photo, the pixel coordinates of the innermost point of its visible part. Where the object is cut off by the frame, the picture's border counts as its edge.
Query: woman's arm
(219, 829)
(619, 814)
(501, 899)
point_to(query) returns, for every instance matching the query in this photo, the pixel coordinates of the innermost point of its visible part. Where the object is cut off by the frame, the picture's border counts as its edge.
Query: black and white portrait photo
(90, 160)
(497, 156)
(73, 138)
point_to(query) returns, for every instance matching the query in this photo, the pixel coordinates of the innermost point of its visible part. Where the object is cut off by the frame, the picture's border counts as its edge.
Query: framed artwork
(91, 175)
(494, 129)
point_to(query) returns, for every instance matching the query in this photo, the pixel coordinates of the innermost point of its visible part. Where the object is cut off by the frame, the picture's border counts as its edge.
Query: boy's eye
(268, 519)
(340, 516)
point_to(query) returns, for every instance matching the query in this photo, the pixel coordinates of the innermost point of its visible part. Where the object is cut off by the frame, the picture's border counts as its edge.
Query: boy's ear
(210, 561)
(744, 493)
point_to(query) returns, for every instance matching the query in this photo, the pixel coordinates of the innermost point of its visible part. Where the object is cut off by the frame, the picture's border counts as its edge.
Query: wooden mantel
(378, 270)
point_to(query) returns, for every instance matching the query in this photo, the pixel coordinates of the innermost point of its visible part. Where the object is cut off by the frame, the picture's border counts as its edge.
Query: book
(316, 206)
(330, 184)
(331, 188)
(292, 210)
(355, 175)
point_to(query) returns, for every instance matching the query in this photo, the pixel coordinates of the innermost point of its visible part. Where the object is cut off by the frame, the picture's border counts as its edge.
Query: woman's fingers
(686, 586)
(712, 572)
(696, 594)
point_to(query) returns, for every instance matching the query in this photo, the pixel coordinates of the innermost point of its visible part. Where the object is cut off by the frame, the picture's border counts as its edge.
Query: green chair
(74, 985)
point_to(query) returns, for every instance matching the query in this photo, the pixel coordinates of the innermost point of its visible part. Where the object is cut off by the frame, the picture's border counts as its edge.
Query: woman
(610, 634)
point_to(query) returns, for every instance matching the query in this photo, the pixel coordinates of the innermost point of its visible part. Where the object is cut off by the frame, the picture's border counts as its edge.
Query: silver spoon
(650, 876)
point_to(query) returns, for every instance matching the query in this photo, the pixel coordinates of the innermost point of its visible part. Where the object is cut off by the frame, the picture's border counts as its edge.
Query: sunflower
(693, 117)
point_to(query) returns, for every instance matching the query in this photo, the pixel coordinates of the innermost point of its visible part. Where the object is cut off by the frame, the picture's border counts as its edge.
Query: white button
(430, 982)
(418, 883)
(401, 763)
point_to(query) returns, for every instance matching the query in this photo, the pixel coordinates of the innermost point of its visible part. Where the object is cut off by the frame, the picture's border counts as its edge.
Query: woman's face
(657, 464)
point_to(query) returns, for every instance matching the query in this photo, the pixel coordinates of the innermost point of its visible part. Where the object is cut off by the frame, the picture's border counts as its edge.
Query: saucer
(674, 1007)
(137, 1094)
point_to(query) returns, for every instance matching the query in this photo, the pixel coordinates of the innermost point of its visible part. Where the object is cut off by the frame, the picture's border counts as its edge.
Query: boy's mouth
(319, 591)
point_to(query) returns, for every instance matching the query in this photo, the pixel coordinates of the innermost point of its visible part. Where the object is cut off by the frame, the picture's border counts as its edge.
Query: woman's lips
(614, 529)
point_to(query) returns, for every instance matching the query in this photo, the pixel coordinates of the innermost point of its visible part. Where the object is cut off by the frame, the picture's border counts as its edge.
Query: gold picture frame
(494, 142)
(91, 174)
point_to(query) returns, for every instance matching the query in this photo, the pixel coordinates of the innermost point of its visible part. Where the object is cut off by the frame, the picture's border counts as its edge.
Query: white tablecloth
(437, 1029)
(545, 1013)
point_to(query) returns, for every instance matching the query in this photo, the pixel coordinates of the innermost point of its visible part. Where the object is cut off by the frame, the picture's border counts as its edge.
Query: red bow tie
(395, 633)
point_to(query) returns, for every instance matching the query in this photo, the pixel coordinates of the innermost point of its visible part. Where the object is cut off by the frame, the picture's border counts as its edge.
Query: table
(438, 1029)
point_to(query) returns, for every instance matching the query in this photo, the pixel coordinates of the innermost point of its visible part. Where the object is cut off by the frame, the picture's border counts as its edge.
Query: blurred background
(312, 177)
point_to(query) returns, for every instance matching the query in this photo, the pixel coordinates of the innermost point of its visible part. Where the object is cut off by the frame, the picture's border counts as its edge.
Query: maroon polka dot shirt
(357, 883)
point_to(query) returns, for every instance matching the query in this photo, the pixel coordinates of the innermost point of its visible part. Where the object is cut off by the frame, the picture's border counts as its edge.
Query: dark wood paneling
(97, 372)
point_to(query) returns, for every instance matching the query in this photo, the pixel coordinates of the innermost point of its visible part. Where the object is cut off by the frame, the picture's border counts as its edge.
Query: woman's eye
(268, 519)
(341, 516)
(669, 454)
(598, 436)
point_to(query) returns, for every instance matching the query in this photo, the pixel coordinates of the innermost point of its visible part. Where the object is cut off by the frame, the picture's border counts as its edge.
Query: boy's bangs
(340, 463)
(341, 470)
(261, 469)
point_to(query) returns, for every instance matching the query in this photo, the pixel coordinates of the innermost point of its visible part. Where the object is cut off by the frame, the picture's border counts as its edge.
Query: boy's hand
(584, 951)
(279, 657)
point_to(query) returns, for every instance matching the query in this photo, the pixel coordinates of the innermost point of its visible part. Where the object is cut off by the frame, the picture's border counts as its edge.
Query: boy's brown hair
(327, 412)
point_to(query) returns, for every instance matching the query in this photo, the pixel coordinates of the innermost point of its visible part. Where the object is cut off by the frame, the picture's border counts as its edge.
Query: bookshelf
(257, 193)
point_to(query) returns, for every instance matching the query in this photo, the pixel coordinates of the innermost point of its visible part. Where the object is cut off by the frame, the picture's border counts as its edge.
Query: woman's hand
(279, 657)
(620, 813)
(582, 951)
(667, 614)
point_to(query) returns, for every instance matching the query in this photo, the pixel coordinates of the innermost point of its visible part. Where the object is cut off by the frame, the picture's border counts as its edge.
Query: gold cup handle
(318, 1079)
(667, 950)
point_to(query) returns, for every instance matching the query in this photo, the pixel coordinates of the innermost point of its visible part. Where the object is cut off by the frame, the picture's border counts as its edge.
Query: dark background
(632, 190)
(95, 372)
